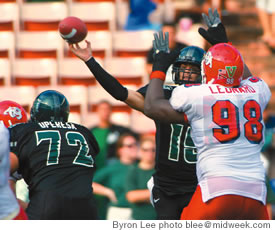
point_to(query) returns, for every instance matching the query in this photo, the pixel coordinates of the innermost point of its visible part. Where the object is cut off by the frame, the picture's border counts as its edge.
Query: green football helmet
(189, 55)
(50, 105)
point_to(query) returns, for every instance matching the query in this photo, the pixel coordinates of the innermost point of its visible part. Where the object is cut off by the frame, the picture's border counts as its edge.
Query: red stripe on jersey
(185, 118)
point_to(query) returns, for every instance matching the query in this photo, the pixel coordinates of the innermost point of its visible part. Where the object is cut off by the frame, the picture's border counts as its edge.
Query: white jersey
(9, 207)
(228, 131)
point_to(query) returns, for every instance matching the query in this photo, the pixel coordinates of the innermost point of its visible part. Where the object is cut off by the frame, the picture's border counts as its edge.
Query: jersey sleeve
(262, 86)
(143, 90)
(14, 136)
(182, 101)
(167, 90)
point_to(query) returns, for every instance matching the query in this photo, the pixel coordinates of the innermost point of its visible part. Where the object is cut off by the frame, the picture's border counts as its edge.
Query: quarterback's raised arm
(132, 98)
(156, 106)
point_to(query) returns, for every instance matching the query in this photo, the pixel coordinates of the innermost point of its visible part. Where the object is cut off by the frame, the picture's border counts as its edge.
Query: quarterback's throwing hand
(83, 53)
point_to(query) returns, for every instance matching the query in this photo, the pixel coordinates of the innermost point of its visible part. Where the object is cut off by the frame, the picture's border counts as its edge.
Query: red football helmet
(12, 113)
(223, 64)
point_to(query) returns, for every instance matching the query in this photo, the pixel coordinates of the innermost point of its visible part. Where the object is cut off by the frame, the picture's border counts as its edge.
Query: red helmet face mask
(12, 113)
(223, 64)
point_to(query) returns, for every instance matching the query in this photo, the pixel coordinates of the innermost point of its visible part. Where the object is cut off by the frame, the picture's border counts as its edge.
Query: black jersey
(175, 155)
(55, 156)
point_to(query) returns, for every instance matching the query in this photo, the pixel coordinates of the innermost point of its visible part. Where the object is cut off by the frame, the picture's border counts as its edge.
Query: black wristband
(107, 81)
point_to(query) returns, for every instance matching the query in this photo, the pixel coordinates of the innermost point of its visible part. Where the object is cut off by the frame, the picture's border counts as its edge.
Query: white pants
(117, 213)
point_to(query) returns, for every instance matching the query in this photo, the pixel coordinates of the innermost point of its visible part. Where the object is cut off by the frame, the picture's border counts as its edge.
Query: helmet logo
(13, 112)
(221, 74)
(231, 70)
(208, 59)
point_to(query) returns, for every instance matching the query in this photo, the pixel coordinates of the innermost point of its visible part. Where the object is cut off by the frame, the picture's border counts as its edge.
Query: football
(72, 29)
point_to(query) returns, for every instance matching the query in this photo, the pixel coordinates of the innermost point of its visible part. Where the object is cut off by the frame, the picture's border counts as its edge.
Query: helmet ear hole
(50, 105)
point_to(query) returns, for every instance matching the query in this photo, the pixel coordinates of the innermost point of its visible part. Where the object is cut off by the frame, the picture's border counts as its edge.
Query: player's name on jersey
(217, 89)
(56, 124)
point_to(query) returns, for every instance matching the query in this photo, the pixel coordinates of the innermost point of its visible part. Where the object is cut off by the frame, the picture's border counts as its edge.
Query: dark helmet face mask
(191, 57)
(185, 75)
(50, 105)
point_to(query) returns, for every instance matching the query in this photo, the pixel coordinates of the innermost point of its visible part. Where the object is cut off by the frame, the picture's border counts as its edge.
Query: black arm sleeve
(107, 81)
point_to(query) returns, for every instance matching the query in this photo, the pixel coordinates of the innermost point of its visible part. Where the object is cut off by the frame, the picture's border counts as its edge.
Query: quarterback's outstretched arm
(132, 98)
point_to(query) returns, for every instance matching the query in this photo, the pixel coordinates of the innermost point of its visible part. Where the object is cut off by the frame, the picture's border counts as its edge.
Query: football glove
(162, 56)
(160, 43)
(216, 31)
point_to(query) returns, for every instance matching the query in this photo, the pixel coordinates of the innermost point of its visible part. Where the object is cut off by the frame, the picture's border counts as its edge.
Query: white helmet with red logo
(223, 64)
(12, 113)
